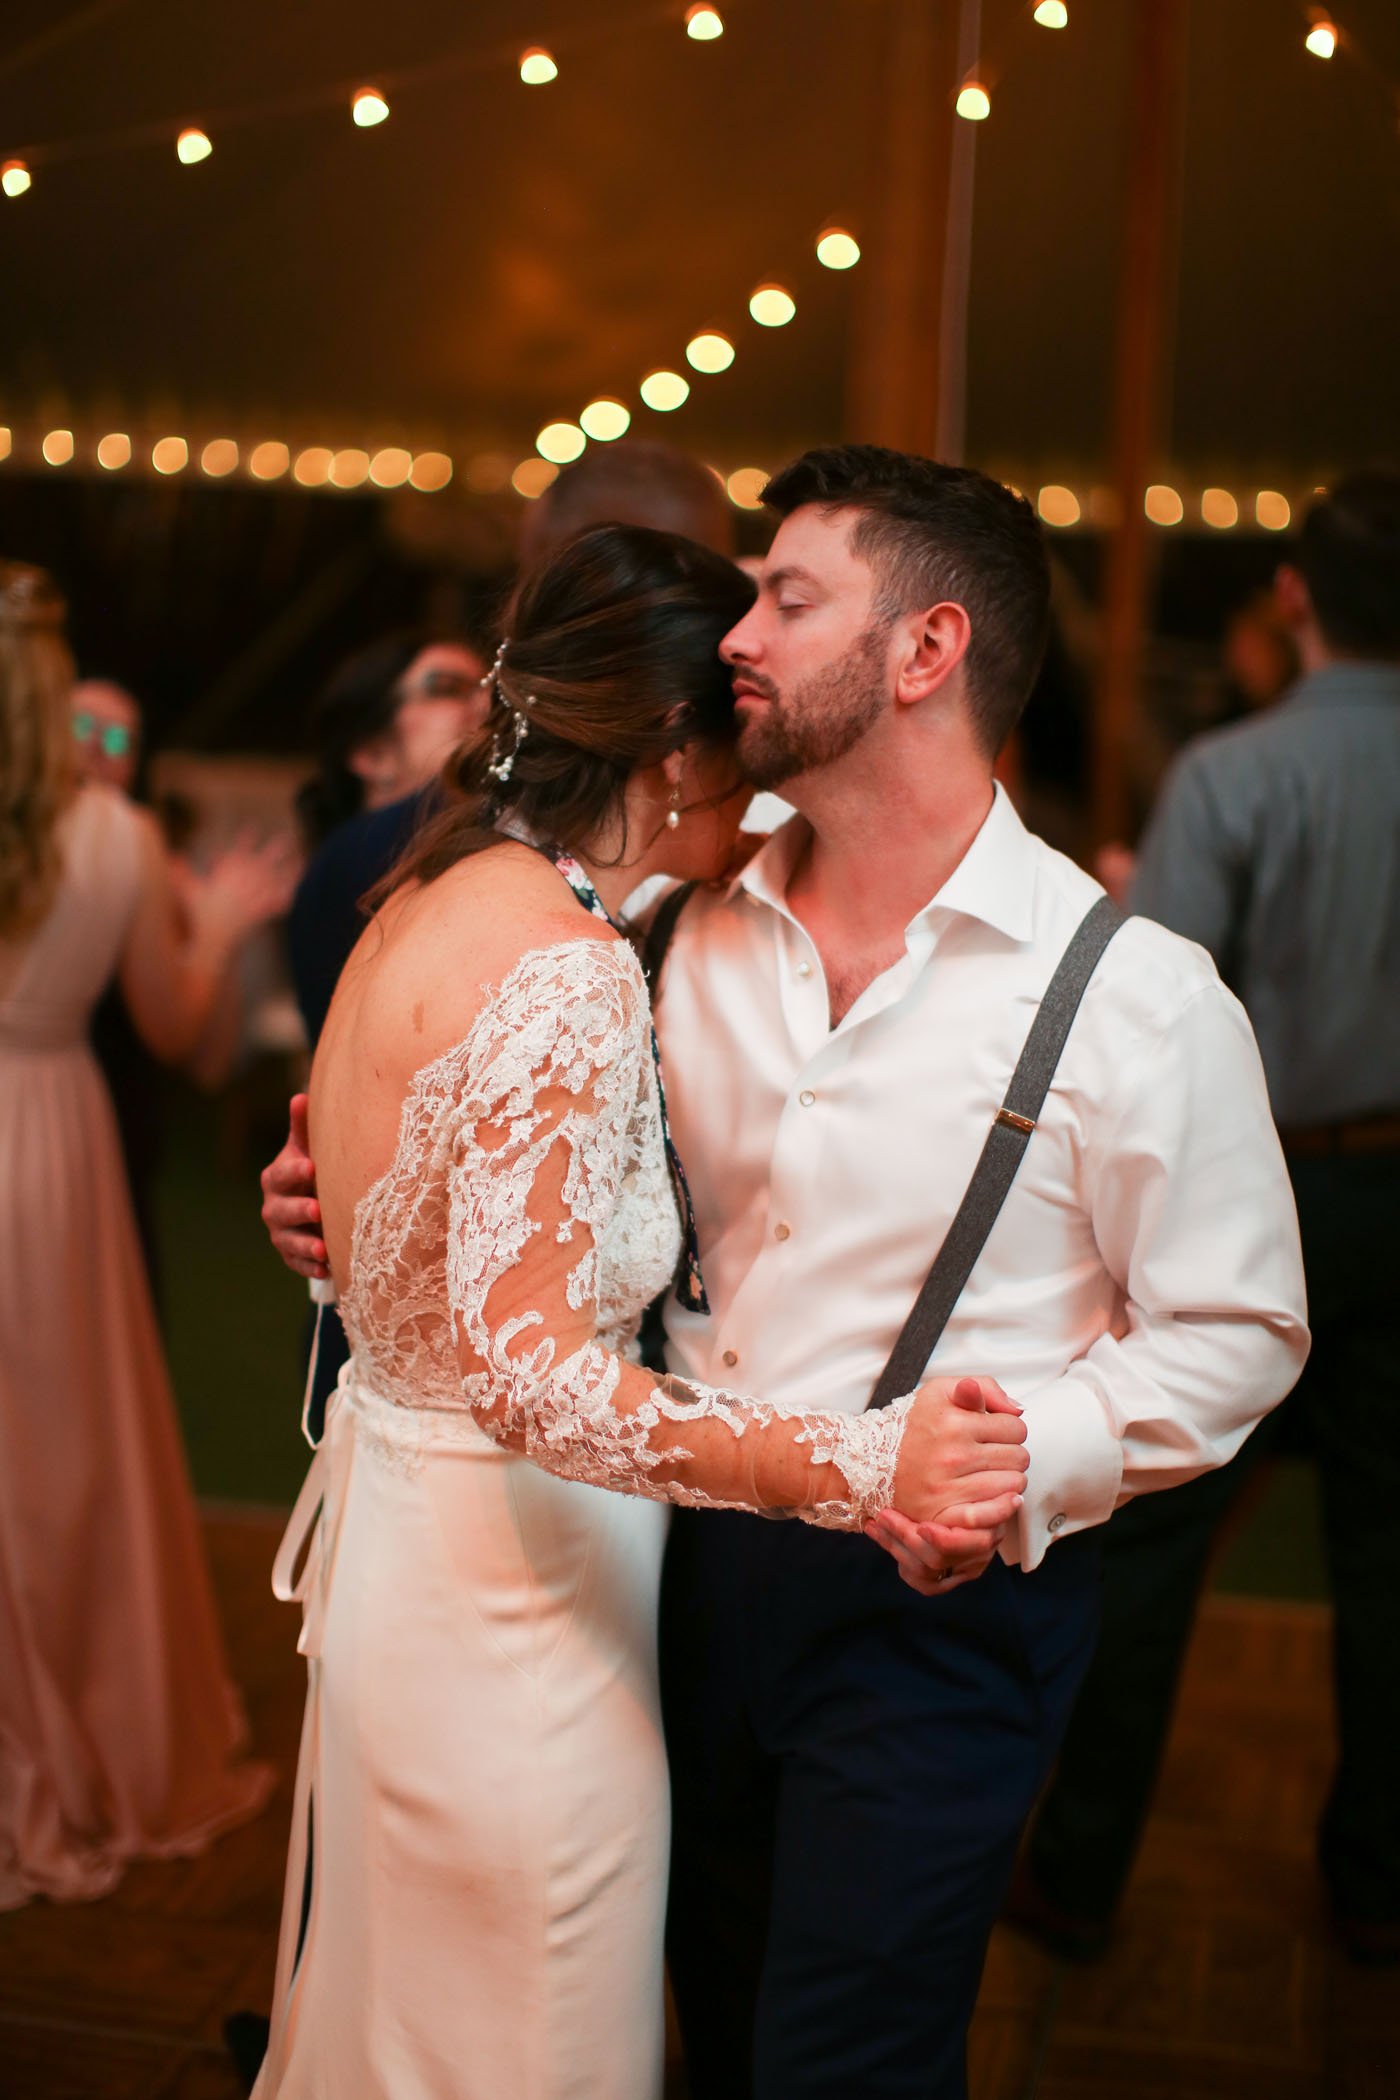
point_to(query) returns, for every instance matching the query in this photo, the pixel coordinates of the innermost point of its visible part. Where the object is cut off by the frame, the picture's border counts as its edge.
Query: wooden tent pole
(1144, 313)
(950, 440)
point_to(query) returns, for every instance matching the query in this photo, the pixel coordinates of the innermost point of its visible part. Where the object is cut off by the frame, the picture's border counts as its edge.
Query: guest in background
(121, 1736)
(1276, 845)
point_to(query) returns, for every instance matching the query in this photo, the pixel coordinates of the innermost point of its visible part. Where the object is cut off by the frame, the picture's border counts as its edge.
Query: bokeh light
(1272, 511)
(219, 457)
(973, 102)
(704, 24)
(606, 420)
(1163, 505)
(537, 67)
(746, 485)
(837, 249)
(312, 467)
(1219, 509)
(664, 391)
(170, 455)
(430, 471)
(710, 352)
(1058, 505)
(57, 447)
(772, 306)
(368, 106)
(1052, 14)
(114, 450)
(560, 442)
(193, 145)
(390, 467)
(269, 460)
(15, 178)
(532, 477)
(1322, 38)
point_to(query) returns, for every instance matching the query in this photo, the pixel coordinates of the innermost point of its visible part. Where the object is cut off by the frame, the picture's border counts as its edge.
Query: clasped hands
(962, 1461)
(958, 1485)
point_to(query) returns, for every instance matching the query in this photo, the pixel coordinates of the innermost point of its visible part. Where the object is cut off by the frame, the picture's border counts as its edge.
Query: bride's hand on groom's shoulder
(290, 1210)
(962, 1468)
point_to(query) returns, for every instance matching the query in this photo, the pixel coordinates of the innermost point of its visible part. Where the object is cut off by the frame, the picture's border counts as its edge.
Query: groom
(853, 1757)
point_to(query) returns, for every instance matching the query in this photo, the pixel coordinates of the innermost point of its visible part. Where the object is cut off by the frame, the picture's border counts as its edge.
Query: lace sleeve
(556, 1108)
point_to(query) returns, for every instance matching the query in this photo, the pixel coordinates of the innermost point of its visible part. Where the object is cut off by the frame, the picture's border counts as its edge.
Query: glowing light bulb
(772, 307)
(606, 419)
(6, 442)
(114, 450)
(537, 67)
(368, 106)
(1163, 505)
(664, 391)
(532, 477)
(170, 455)
(1058, 505)
(837, 249)
(219, 457)
(193, 145)
(269, 461)
(57, 447)
(973, 102)
(704, 24)
(1052, 14)
(430, 472)
(745, 487)
(560, 442)
(1272, 511)
(1219, 509)
(312, 468)
(15, 178)
(710, 352)
(349, 468)
(391, 467)
(1322, 39)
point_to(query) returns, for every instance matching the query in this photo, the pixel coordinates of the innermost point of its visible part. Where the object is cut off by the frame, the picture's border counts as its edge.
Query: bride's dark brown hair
(612, 660)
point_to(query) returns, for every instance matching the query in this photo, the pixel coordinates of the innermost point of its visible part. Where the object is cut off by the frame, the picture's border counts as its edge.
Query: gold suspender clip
(1008, 1117)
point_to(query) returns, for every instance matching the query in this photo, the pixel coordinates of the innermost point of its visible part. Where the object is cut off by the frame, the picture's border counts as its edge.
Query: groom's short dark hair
(935, 534)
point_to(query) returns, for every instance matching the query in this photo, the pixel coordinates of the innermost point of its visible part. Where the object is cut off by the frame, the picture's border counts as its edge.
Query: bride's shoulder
(452, 946)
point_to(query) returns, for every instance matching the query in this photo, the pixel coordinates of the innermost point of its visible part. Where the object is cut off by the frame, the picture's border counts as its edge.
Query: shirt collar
(994, 881)
(1346, 681)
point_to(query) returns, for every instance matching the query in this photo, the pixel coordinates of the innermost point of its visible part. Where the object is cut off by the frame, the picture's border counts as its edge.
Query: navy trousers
(851, 1766)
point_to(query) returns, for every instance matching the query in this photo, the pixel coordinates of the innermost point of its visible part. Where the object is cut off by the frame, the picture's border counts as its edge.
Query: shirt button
(782, 1232)
(806, 1097)
(804, 968)
(1057, 1522)
(730, 1357)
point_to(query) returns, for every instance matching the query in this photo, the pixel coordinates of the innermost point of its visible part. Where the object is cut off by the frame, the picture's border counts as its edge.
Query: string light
(1323, 38)
(312, 468)
(430, 471)
(560, 442)
(15, 178)
(1058, 505)
(114, 450)
(1163, 505)
(193, 145)
(710, 352)
(1052, 14)
(170, 455)
(537, 67)
(1219, 509)
(219, 457)
(1271, 510)
(606, 419)
(664, 391)
(349, 468)
(837, 249)
(269, 461)
(57, 447)
(745, 487)
(704, 24)
(772, 307)
(391, 467)
(367, 107)
(532, 477)
(5, 442)
(973, 102)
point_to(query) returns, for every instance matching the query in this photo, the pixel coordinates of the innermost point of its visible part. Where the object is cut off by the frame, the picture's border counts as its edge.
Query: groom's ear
(931, 650)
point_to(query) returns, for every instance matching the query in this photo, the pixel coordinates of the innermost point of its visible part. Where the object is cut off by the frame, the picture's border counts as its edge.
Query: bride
(481, 1796)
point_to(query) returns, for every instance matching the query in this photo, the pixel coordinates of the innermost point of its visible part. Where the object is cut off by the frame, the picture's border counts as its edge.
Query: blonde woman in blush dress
(482, 1766)
(121, 1735)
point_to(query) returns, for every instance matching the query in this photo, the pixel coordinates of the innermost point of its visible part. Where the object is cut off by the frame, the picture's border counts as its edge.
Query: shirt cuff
(1075, 1474)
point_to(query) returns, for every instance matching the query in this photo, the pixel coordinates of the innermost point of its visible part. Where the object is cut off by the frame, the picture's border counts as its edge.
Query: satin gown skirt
(482, 1759)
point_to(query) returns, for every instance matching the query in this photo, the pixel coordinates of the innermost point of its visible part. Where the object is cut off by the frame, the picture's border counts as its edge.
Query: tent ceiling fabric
(494, 256)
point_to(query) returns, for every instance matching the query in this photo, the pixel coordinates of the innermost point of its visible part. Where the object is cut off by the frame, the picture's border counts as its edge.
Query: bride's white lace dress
(481, 1774)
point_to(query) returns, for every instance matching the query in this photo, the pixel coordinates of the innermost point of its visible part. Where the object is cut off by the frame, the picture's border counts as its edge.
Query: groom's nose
(737, 646)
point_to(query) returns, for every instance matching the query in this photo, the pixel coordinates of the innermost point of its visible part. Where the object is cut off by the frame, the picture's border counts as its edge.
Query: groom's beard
(817, 722)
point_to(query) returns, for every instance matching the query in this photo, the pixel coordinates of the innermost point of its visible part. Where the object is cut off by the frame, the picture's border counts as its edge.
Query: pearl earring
(673, 814)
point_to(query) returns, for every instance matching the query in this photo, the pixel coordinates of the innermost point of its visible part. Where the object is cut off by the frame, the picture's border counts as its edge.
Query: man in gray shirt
(1276, 845)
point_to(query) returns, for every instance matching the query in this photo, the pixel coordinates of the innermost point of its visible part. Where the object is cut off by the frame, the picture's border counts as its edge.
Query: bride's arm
(545, 1127)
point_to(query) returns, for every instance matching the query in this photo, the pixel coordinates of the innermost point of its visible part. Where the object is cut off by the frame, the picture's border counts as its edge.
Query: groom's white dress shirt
(1142, 1291)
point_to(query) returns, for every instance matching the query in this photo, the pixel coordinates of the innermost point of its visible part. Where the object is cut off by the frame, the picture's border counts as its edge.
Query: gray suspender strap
(657, 939)
(1001, 1156)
